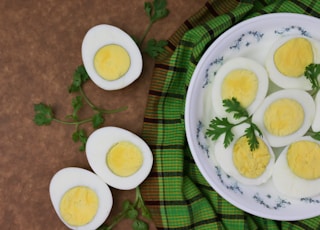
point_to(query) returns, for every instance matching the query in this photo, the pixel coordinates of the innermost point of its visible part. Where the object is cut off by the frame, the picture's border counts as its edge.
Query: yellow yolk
(111, 62)
(293, 56)
(304, 159)
(241, 84)
(283, 117)
(79, 205)
(250, 164)
(124, 159)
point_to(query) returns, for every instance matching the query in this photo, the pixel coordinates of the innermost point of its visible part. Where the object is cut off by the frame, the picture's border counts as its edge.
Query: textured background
(40, 43)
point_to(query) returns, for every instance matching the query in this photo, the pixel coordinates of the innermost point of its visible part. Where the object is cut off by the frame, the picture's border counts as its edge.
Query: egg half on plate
(111, 57)
(284, 116)
(246, 166)
(288, 58)
(80, 198)
(297, 172)
(121, 158)
(241, 78)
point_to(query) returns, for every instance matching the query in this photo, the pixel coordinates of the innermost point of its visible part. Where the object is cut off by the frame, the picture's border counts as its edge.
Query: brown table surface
(40, 47)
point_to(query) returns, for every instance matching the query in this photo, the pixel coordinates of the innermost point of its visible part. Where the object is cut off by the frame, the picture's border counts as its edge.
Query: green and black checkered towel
(176, 193)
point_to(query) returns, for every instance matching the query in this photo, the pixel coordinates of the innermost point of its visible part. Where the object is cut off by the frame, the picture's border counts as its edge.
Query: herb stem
(77, 123)
(87, 100)
(94, 107)
(145, 33)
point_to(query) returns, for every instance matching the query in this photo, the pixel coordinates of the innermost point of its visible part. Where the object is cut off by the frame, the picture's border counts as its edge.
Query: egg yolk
(283, 117)
(111, 62)
(79, 205)
(293, 56)
(241, 84)
(124, 159)
(250, 164)
(304, 159)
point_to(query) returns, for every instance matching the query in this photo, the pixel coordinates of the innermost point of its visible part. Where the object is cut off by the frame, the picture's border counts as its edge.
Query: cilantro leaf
(233, 106)
(43, 114)
(312, 73)
(80, 136)
(219, 126)
(154, 48)
(80, 76)
(77, 104)
(252, 138)
(140, 225)
(97, 120)
(156, 10)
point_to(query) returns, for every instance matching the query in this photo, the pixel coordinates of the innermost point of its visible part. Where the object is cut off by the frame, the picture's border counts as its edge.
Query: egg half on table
(121, 158)
(241, 78)
(287, 59)
(80, 198)
(111, 57)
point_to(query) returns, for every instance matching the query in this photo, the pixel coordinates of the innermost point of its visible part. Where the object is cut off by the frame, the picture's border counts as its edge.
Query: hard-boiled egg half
(121, 158)
(241, 78)
(111, 57)
(80, 198)
(246, 166)
(288, 58)
(284, 116)
(297, 172)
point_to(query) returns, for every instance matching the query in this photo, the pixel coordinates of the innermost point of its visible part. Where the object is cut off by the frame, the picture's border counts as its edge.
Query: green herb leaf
(315, 135)
(77, 104)
(140, 225)
(159, 10)
(233, 106)
(97, 120)
(80, 76)
(251, 136)
(154, 48)
(312, 73)
(132, 214)
(219, 126)
(43, 114)
(80, 136)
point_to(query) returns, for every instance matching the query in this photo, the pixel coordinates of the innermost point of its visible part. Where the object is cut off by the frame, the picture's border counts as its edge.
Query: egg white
(97, 147)
(70, 177)
(316, 122)
(287, 183)
(288, 82)
(101, 35)
(233, 64)
(303, 98)
(224, 158)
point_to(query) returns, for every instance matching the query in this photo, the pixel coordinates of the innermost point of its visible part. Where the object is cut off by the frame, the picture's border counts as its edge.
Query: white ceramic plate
(251, 38)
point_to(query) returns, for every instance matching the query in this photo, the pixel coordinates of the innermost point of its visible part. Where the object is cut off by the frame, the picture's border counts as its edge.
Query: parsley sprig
(219, 126)
(131, 211)
(155, 10)
(44, 114)
(312, 73)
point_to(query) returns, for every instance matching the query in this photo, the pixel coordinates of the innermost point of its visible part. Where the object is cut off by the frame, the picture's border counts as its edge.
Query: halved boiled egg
(80, 198)
(246, 166)
(284, 116)
(111, 57)
(288, 58)
(241, 78)
(296, 172)
(121, 158)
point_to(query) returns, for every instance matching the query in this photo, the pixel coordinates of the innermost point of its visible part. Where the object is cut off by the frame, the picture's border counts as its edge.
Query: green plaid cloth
(176, 193)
